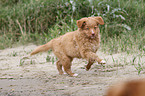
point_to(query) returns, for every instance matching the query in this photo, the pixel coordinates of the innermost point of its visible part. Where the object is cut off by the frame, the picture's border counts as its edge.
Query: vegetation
(23, 21)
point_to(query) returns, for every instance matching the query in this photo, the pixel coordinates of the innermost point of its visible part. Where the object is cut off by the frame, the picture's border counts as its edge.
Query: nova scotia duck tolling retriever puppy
(82, 43)
(129, 88)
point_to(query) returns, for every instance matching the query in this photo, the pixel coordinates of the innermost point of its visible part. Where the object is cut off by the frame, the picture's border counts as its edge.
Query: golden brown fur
(130, 88)
(82, 43)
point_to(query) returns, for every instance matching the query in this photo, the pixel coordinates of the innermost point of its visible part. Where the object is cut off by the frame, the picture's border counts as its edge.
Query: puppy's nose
(93, 34)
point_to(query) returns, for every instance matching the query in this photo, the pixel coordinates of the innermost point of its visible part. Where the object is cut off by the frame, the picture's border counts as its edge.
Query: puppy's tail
(42, 48)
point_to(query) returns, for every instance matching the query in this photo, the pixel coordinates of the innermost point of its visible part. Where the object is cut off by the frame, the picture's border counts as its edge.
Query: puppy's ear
(99, 20)
(81, 22)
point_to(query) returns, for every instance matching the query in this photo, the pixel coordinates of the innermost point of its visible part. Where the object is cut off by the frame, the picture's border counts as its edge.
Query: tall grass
(41, 20)
(129, 41)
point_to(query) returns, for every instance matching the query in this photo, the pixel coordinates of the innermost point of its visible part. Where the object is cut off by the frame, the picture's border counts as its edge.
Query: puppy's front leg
(90, 56)
(90, 63)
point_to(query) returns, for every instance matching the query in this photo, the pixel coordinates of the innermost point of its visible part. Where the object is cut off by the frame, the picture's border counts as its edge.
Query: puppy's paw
(62, 73)
(103, 62)
(87, 69)
(75, 75)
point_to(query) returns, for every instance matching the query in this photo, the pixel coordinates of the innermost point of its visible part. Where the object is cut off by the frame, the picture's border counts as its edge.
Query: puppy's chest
(92, 45)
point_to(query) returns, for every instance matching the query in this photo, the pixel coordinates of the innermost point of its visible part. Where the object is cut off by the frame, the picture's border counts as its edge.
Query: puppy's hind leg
(59, 67)
(67, 66)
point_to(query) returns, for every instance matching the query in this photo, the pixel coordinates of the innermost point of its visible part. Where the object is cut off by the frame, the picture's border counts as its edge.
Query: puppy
(130, 88)
(82, 43)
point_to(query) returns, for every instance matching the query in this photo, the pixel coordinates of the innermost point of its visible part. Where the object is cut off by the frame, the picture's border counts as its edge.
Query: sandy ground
(35, 76)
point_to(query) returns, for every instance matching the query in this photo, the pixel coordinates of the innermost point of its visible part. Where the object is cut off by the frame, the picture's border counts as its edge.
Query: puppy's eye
(95, 27)
(87, 28)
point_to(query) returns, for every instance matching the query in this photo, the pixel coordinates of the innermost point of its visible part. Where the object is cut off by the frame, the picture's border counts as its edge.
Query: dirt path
(35, 76)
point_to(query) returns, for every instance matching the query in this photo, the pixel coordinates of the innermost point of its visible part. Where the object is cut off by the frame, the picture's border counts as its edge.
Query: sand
(22, 75)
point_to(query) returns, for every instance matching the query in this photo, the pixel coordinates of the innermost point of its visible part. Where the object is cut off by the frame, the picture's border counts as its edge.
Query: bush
(36, 19)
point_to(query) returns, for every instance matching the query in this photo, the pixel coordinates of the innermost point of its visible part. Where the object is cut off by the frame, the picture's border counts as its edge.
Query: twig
(20, 27)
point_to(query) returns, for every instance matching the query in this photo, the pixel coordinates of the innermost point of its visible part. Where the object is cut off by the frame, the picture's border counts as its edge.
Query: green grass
(138, 63)
(38, 21)
(130, 42)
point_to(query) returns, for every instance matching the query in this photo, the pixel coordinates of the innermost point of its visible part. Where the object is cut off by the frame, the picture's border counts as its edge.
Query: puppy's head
(90, 25)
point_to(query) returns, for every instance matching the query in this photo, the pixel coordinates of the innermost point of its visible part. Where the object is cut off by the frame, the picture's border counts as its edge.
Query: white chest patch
(94, 47)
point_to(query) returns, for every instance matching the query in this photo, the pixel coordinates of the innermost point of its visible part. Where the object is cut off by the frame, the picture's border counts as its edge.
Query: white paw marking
(75, 75)
(64, 73)
(103, 62)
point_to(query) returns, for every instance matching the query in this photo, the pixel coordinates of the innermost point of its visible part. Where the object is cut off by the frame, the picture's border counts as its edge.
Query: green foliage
(41, 20)
(48, 58)
(137, 63)
(51, 59)
(21, 62)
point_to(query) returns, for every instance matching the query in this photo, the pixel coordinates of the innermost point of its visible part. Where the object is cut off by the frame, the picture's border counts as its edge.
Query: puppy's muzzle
(93, 34)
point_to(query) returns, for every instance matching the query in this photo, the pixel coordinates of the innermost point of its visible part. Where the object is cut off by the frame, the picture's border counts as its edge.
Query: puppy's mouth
(93, 36)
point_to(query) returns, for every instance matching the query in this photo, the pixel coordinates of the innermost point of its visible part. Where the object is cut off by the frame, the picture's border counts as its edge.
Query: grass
(137, 63)
(126, 61)
(14, 54)
(21, 62)
(38, 21)
(51, 59)
(139, 68)
(130, 42)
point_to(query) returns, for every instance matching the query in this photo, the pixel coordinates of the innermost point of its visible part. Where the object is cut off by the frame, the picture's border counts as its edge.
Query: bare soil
(22, 75)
